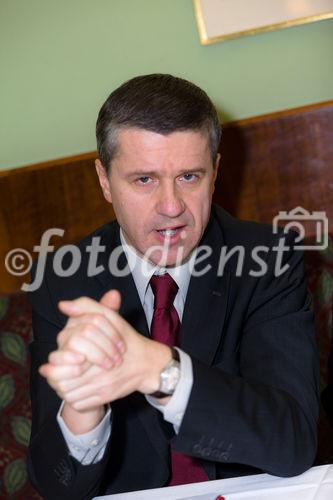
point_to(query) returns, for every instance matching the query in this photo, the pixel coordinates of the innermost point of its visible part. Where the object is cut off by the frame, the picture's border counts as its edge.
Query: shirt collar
(142, 270)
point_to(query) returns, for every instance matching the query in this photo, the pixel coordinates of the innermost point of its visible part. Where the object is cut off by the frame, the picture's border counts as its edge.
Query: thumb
(112, 300)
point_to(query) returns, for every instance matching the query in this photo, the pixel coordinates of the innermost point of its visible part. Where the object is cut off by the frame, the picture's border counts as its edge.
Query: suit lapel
(205, 309)
(206, 302)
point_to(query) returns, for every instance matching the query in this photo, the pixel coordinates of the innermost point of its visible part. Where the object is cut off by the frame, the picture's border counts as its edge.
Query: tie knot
(164, 289)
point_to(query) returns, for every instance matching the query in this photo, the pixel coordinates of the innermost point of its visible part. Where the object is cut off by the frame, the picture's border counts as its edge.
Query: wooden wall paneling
(63, 194)
(277, 162)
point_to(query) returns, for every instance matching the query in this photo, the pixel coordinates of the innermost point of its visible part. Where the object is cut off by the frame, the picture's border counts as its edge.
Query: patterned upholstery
(15, 334)
(319, 269)
(15, 413)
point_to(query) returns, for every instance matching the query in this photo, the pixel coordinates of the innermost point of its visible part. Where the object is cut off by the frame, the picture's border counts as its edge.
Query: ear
(216, 167)
(217, 164)
(103, 180)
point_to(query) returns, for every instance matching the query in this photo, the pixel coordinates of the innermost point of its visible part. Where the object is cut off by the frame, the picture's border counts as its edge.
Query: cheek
(124, 204)
(200, 205)
(132, 216)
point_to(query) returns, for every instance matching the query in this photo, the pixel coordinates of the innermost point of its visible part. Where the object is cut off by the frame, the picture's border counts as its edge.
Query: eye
(144, 179)
(189, 177)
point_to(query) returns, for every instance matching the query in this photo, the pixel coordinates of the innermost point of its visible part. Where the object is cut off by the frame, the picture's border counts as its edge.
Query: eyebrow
(152, 173)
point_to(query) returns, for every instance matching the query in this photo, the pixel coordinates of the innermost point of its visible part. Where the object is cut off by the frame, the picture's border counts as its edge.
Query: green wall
(60, 59)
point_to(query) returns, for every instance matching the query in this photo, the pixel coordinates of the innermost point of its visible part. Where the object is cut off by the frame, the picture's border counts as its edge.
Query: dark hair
(160, 103)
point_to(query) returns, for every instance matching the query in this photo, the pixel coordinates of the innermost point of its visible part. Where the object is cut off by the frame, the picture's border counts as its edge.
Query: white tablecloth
(315, 484)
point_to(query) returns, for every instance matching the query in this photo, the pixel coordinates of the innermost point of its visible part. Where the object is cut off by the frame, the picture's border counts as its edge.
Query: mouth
(172, 233)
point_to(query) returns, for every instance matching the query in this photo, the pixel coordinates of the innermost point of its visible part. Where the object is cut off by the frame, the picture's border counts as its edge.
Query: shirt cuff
(87, 448)
(174, 410)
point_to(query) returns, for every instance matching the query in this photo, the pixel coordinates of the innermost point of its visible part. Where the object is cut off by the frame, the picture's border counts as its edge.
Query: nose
(170, 202)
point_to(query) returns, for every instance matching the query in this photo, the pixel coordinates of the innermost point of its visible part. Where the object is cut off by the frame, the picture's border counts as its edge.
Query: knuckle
(78, 369)
(116, 337)
(62, 386)
(88, 331)
(69, 398)
(112, 349)
(72, 343)
(97, 320)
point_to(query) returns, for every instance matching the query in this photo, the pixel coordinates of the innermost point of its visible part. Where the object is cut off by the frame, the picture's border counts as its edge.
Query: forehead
(137, 144)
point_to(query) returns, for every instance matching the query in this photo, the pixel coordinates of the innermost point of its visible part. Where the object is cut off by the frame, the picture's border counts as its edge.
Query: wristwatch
(169, 377)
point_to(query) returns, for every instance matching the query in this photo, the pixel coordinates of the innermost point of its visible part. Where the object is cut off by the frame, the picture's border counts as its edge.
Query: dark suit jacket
(254, 402)
(327, 394)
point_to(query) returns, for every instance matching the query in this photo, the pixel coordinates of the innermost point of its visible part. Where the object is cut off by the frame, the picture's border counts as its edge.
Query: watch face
(169, 377)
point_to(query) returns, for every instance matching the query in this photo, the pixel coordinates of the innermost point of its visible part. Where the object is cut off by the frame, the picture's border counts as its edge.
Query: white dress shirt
(89, 448)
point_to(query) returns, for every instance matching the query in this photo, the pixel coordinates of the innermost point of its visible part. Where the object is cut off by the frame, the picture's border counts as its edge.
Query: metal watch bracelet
(172, 366)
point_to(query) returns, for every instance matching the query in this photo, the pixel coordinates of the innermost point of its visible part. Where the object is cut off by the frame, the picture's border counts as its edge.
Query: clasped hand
(100, 356)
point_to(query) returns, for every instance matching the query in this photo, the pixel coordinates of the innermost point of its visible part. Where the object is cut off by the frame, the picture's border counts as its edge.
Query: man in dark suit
(177, 353)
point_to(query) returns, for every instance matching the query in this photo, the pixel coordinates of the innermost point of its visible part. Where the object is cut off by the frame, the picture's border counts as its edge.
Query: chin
(177, 261)
(165, 261)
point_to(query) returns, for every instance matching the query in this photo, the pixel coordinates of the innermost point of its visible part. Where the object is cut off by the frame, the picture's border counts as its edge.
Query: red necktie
(165, 328)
